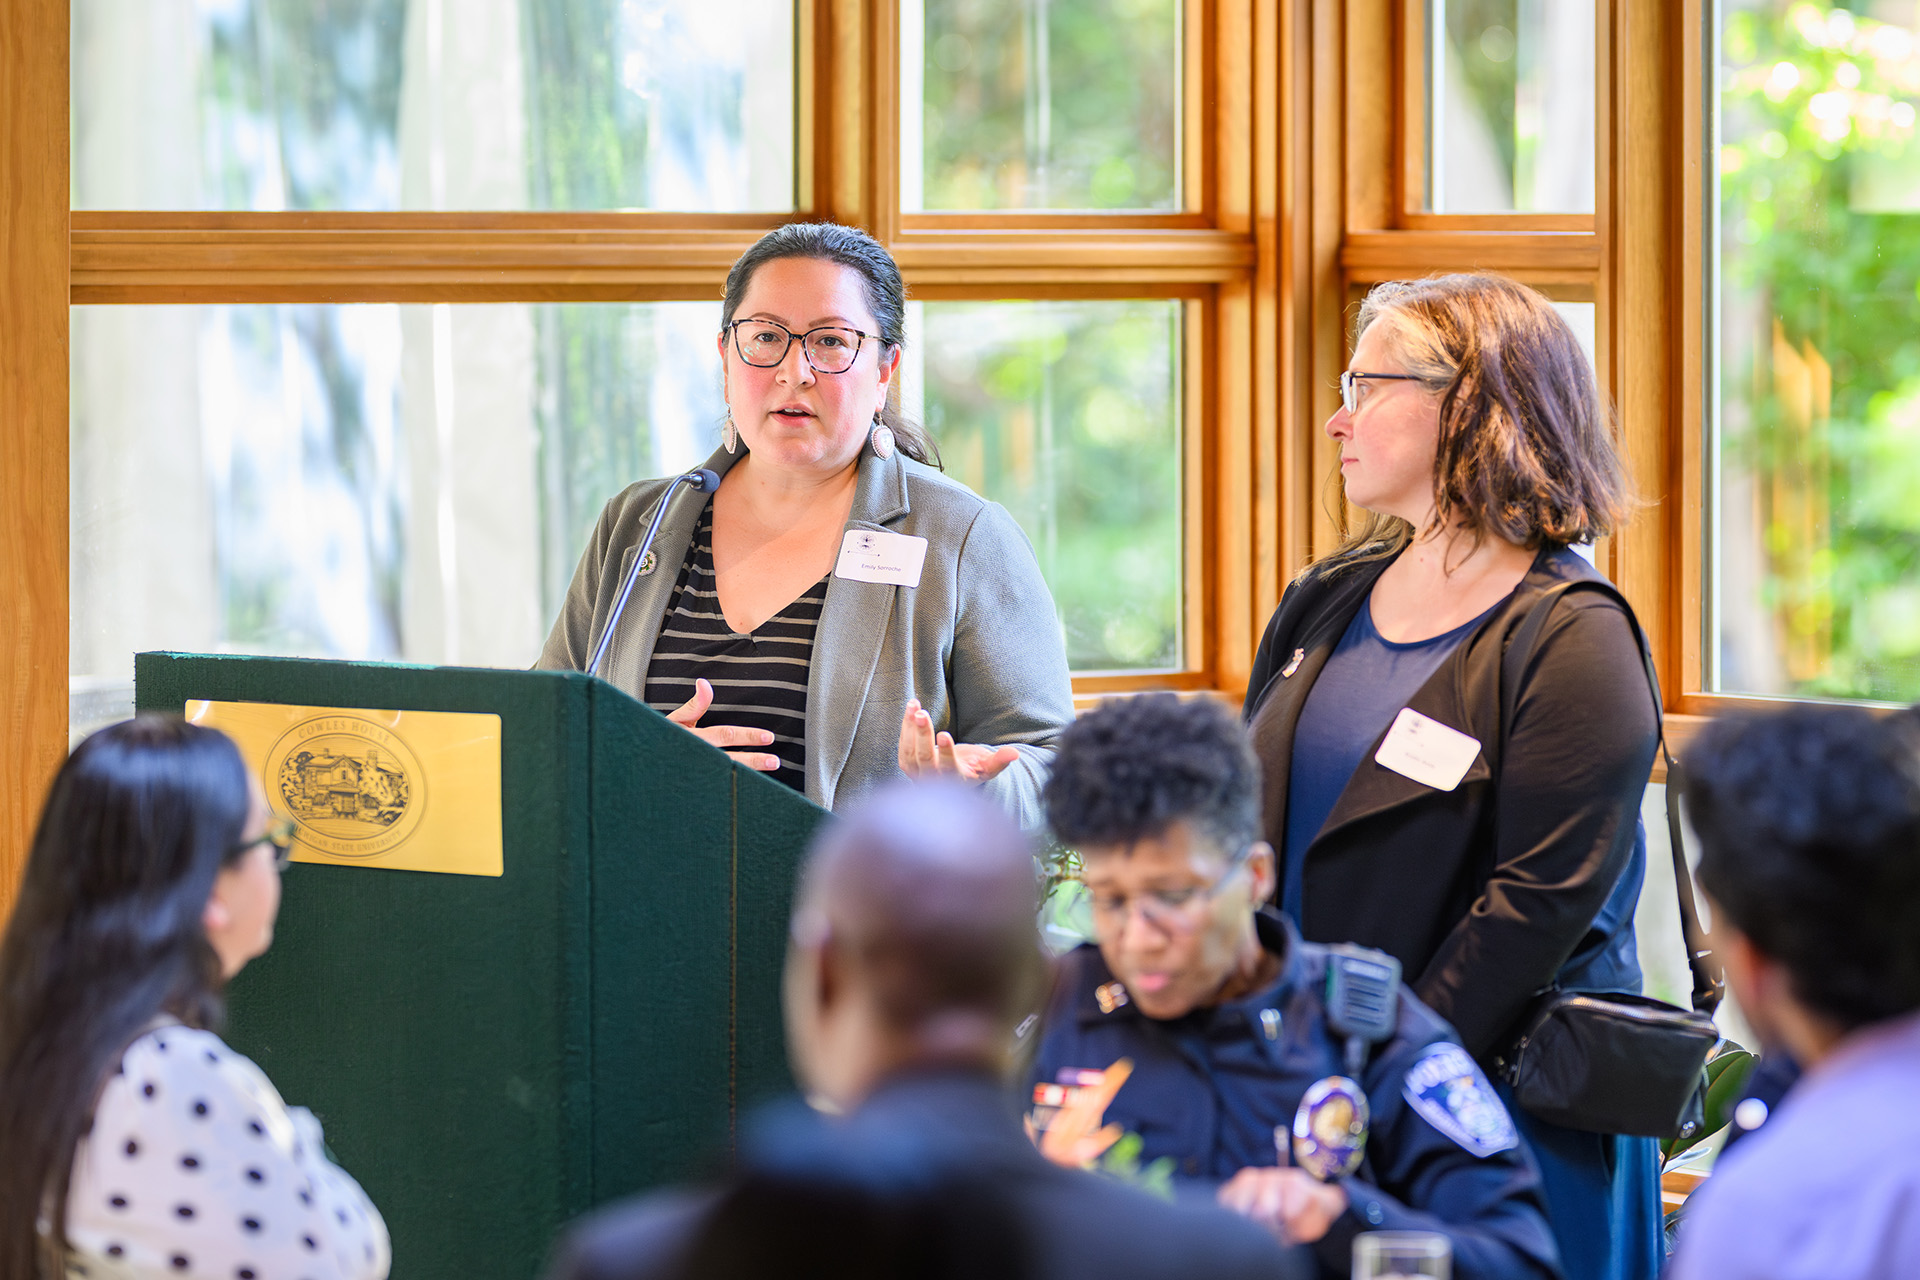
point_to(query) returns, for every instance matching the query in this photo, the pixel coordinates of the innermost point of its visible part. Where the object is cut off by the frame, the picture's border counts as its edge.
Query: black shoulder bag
(1615, 1062)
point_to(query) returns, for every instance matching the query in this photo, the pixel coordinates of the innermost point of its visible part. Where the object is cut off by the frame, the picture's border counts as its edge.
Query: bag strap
(1709, 985)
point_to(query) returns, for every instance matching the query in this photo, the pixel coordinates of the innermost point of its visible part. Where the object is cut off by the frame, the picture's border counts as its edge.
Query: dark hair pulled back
(886, 296)
(107, 934)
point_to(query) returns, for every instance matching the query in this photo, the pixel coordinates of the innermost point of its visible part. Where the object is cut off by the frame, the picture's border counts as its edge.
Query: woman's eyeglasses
(1350, 386)
(829, 349)
(280, 833)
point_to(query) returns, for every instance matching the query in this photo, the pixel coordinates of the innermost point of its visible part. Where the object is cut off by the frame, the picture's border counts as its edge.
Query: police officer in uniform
(1305, 1082)
(912, 960)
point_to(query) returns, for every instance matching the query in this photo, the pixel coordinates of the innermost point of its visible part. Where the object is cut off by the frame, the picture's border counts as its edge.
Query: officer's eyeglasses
(280, 834)
(1167, 909)
(831, 348)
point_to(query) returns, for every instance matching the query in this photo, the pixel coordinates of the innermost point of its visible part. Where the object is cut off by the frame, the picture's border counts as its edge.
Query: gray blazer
(977, 642)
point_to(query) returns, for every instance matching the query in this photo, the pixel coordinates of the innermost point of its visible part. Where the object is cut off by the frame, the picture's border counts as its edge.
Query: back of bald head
(927, 890)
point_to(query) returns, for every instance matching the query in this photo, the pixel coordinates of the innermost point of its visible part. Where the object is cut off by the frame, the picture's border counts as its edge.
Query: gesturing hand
(725, 736)
(925, 754)
(1291, 1203)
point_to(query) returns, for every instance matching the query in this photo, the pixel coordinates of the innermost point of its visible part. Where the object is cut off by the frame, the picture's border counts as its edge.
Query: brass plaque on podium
(399, 790)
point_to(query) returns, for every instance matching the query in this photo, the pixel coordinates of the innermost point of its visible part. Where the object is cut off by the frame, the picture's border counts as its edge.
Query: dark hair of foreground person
(106, 935)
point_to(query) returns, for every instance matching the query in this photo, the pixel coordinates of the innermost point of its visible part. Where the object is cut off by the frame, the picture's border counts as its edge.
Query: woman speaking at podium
(836, 612)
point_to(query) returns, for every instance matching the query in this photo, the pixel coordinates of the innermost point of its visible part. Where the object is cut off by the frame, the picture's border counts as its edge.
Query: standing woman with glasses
(1436, 790)
(133, 1142)
(838, 612)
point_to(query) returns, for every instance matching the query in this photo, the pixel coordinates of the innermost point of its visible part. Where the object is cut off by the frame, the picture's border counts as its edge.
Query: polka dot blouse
(194, 1167)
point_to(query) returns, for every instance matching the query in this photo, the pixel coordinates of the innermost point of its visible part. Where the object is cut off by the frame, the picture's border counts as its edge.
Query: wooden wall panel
(33, 418)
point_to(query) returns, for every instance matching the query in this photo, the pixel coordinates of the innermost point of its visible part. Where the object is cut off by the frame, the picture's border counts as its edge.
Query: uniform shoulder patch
(1448, 1090)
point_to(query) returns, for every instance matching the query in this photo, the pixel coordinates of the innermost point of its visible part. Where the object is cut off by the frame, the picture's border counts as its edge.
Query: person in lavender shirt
(1809, 824)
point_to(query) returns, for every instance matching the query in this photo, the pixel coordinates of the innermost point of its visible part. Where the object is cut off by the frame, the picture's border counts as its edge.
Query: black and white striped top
(759, 680)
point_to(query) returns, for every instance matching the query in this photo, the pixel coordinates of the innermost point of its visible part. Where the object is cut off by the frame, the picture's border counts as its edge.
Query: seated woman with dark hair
(137, 1143)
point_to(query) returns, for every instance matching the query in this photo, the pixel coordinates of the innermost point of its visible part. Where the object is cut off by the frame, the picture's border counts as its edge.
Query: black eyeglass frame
(280, 833)
(1350, 385)
(806, 347)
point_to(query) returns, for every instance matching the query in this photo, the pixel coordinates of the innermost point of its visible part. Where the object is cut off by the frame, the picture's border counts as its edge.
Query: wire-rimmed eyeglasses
(831, 348)
(280, 833)
(1166, 909)
(1350, 386)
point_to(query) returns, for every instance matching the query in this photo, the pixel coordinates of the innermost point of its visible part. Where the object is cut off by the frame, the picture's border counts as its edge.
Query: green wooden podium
(491, 1057)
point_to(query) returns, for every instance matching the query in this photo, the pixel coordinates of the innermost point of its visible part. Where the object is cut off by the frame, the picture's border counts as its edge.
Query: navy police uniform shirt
(1211, 1089)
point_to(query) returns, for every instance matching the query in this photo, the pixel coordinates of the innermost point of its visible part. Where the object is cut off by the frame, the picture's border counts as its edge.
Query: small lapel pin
(1293, 663)
(652, 562)
(1110, 996)
(1270, 1023)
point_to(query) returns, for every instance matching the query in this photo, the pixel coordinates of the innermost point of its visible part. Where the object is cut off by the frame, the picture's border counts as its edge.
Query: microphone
(705, 480)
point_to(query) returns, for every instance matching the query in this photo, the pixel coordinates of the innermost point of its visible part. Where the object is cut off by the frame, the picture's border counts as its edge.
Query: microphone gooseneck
(705, 480)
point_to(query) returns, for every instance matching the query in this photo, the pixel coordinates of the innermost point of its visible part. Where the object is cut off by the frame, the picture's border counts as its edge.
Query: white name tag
(1427, 751)
(874, 555)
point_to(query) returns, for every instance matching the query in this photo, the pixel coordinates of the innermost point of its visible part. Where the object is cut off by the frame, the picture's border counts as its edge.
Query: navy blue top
(1363, 686)
(1208, 1091)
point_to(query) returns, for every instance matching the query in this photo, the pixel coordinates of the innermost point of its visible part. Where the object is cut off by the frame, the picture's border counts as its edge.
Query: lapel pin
(650, 563)
(1293, 663)
(1110, 996)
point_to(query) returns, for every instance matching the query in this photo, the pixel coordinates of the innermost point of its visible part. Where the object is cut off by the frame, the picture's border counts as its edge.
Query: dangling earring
(881, 439)
(729, 434)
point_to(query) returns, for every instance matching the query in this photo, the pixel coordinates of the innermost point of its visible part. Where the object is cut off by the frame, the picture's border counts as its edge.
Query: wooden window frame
(34, 36)
(1301, 188)
(1241, 258)
(847, 164)
(1638, 257)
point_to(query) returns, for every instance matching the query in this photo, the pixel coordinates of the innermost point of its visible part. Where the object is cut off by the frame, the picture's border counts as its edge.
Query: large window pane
(1040, 104)
(1510, 97)
(1068, 413)
(433, 104)
(1815, 447)
(383, 482)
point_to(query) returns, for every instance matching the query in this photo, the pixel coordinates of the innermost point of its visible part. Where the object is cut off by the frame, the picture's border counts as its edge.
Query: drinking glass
(1402, 1255)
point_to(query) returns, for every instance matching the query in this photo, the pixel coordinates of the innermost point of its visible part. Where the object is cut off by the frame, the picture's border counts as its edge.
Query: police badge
(1330, 1128)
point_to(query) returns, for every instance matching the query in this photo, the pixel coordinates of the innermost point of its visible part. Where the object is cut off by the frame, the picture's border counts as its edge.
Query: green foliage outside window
(1052, 104)
(1067, 413)
(1819, 377)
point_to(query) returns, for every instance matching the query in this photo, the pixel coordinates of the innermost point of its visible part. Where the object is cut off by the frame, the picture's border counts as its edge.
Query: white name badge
(1427, 751)
(875, 555)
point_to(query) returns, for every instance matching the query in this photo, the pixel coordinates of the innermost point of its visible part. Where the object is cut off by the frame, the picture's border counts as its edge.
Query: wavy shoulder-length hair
(108, 934)
(1526, 450)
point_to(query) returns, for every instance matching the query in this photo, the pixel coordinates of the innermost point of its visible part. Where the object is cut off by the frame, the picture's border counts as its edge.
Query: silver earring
(729, 434)
(881, 439)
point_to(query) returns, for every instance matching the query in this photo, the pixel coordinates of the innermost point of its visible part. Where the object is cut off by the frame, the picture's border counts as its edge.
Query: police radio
(1329, 1134)
(1363, 999)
